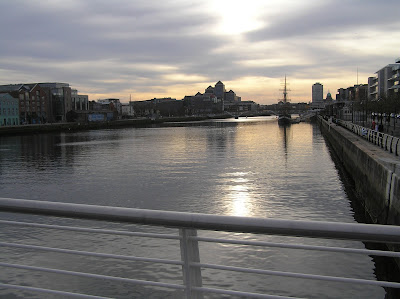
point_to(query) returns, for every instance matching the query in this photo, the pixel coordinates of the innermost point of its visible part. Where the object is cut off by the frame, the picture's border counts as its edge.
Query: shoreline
(76, 126)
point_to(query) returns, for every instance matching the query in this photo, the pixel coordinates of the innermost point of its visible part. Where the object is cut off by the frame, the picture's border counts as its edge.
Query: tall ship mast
(284, 116)
(285, 92)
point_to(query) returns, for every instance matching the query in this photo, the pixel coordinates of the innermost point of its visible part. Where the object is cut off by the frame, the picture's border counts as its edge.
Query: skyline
(146, 49)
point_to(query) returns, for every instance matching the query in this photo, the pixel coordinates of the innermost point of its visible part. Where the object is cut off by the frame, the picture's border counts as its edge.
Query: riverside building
(33, 102)
(9, 110)
(317, 95)
(386, 82)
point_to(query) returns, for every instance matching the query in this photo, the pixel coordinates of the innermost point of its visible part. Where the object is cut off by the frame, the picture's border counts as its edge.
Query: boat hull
(284, 120)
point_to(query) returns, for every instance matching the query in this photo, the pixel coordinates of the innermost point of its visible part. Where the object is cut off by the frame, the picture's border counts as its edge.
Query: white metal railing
(385, 141)
(188, 224)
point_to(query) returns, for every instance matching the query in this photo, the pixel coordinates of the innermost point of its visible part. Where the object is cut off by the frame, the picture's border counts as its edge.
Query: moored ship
(284, 116)
(284, 119)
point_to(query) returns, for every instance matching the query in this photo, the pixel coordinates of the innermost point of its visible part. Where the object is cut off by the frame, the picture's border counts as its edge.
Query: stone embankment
(73, 126)
(375, 171)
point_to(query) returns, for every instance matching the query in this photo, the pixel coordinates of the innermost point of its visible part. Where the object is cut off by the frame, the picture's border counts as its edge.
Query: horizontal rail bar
(300, 275)
(97, 276)
(92, 254)
(353, 231)
(203, 239)
(238, 293)
(300, 246)
(91, 230)
(48, 291)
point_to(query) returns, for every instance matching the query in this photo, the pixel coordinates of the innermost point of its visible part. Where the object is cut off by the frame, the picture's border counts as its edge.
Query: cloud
(173, 48)
(90, 40)
(324, 18)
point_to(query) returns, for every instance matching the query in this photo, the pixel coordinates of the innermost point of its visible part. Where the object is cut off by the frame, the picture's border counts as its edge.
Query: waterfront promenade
(373, 169)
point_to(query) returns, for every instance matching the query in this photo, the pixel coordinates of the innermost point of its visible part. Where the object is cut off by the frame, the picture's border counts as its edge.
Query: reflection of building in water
(221, 137)
(39, 151)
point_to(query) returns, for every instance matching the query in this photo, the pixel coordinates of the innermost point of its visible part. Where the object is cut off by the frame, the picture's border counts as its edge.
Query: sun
(237, 17)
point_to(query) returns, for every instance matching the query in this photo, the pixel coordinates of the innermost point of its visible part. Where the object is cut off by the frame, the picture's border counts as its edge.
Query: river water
(243, 167)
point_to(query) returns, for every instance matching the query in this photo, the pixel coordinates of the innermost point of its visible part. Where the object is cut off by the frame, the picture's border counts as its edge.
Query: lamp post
(365, 112)
(352, 113)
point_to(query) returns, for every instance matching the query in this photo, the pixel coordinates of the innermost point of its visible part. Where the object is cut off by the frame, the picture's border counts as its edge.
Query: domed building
(329, 97)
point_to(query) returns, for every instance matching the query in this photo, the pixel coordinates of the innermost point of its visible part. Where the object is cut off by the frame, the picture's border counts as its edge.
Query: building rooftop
(5, 96)
(9, 87)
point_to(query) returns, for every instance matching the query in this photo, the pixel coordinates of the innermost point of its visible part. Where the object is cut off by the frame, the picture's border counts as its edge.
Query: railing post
(190, 254)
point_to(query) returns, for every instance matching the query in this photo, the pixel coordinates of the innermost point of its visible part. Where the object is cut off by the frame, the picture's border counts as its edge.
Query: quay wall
(74, 126)
(375, 171)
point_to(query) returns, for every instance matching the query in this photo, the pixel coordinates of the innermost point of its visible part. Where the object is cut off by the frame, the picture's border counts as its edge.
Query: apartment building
(386, 82)
(60, 98)
(33, 102)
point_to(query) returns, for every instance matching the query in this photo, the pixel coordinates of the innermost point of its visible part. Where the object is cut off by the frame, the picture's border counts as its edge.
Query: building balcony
(395, 67)
(374, 85)
(397, 86)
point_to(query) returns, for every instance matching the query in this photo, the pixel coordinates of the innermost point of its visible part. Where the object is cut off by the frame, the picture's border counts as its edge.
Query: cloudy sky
(172, 48)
